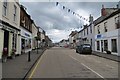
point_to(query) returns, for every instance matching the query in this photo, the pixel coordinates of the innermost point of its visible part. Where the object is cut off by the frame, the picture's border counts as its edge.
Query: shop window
(105, 45)
(28, 43)
(114, 45)
(98, 45)
(23, 43)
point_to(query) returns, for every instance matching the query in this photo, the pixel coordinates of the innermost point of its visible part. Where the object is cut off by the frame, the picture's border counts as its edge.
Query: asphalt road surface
(66, 63)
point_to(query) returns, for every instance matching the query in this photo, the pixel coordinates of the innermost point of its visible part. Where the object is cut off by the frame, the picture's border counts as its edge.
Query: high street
(65, 63)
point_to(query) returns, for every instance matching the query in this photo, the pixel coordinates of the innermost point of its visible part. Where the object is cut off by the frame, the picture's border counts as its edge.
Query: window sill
(15, 22)
(5, 17)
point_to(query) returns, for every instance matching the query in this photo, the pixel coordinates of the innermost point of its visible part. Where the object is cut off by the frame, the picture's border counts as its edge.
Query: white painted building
(86, 35)
(64, 43)
(72, 39)
(107, 32)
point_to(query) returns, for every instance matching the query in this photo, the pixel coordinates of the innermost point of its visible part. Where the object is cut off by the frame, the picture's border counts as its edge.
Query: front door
(6, 40)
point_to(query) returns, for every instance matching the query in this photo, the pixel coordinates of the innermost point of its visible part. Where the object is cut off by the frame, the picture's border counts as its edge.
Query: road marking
(92, 70)
(73, 57)
(34, 69)
(88, 67)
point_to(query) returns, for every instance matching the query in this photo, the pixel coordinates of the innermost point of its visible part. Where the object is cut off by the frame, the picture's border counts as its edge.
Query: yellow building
(9, 26)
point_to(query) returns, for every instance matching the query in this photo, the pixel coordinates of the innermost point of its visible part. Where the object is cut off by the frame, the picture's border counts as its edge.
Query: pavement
(19, 67)
(108, 56)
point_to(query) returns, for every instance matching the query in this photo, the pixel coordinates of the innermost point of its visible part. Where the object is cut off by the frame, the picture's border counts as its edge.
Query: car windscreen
(88, 46)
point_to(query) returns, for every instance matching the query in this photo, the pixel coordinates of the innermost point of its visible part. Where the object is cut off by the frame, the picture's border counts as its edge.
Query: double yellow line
(34, 69)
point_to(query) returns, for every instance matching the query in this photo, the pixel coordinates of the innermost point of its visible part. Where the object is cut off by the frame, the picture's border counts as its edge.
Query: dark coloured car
(84, 48)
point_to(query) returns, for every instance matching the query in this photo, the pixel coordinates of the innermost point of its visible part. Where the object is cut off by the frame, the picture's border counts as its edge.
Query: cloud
(68, 0)
(58, 23)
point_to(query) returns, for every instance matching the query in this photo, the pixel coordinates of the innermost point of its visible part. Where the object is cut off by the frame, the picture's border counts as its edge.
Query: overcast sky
(58, 23)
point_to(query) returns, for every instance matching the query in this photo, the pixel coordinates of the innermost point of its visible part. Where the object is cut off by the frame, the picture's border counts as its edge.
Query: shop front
(8, 40)
(107, 42)
(26, 41)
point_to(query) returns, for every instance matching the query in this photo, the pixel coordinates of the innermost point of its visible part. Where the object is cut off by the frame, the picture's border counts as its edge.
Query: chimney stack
(90, 18)
(103, 11)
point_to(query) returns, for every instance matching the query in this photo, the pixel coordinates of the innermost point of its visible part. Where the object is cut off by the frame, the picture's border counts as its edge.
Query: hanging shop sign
(99, 36)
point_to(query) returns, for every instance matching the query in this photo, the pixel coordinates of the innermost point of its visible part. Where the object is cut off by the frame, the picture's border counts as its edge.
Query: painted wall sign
(27, 35)
(99, 36)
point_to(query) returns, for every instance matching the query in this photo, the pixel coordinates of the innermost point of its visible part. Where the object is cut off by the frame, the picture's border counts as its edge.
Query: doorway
(102, 45)
(6, 40)
(23, 45)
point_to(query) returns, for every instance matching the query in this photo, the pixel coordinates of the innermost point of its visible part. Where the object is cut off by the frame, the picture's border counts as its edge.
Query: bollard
(29, 56)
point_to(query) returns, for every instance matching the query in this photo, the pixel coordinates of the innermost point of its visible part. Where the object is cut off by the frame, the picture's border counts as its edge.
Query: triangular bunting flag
(57, 3)
(63, 7)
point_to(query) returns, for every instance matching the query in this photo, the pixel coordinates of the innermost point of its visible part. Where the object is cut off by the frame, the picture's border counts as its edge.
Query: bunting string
(73, 12)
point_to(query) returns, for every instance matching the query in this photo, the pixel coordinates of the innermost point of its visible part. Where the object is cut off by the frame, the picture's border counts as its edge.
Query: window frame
(5, 7)
(15, 13)
(105, 45)
(105, 27)
(113, 47)
(98, 29)
(98, 45)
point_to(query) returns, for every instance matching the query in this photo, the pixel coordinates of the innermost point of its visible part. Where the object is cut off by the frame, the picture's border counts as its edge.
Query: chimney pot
(103, 11)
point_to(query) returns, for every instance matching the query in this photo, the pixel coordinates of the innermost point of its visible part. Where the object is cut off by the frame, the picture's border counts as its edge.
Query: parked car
(84, 48)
